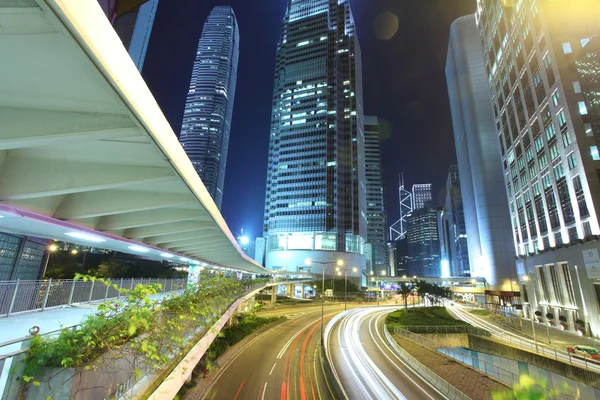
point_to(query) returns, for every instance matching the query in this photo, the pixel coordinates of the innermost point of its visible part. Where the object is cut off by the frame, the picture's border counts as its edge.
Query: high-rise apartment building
(423, 243)
(454, 224)
(315, 204)
(542, 65)
(485, 205)
(376, 215)
(209, 104)
(421, 195)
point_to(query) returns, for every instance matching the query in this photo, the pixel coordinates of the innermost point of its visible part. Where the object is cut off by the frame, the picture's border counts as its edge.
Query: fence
(426, 329)
(19, 296)
(449, 391)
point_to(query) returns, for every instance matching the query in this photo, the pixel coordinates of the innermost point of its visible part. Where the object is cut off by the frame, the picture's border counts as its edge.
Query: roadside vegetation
(529, 389)
(482, 313)
(149, 334)
(422, 316)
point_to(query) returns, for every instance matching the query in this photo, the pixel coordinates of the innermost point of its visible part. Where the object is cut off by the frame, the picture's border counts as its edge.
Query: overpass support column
(273, 294)
(302, 290)
(290, 290)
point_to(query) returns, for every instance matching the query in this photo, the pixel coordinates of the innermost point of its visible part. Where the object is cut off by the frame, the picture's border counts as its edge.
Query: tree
(110, 269)
(405, 290)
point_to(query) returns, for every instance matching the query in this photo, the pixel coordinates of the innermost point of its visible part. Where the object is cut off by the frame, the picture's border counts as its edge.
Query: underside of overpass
(86, 154)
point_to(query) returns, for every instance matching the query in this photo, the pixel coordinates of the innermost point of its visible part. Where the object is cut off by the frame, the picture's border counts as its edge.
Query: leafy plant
(136, 326)
(529, 389)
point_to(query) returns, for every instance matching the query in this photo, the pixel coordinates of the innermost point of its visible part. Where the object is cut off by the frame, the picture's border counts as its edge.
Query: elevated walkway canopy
(86, 154)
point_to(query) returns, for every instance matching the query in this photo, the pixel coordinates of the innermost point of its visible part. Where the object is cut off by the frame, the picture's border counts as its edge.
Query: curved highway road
(365, 364)
(281, 363)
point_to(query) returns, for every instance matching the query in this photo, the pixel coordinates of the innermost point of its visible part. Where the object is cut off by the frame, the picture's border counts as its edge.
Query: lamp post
(308, 261)
(339, 271)
(51, 249)
(531, 314)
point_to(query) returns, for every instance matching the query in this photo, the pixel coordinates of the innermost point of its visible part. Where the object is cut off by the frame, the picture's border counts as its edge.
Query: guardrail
(19, 296)
(426, 329)
(434, 380)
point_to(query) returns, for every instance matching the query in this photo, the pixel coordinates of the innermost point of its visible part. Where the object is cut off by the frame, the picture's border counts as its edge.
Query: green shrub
(423, 316)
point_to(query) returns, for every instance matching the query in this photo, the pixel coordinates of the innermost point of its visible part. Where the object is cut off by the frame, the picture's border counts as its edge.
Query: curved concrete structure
(85, 149)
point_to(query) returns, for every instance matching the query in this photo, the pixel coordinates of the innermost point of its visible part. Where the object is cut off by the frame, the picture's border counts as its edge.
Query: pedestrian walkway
(17, 326)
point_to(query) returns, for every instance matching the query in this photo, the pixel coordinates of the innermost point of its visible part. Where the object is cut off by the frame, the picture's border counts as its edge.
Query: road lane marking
(239, 389)
(394, 354)
(272, 369)
(264, 391)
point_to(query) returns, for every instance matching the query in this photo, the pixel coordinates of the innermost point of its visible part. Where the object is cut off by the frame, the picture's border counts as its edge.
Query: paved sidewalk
(474, 384)
(17, 326)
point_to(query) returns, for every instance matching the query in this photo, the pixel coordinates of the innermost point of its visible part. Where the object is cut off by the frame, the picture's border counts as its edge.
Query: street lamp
(339, 271)
(51, 249)
(308, 261)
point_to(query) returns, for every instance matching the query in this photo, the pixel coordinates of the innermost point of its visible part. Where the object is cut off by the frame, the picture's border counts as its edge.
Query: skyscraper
(542, 68)
(421, 195)
(487, 221)
(423, 243)
(454, 223)
(315, 204)
(376, 216)
(209, 104)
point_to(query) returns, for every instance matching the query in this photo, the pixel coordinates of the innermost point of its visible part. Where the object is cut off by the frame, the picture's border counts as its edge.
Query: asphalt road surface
(367, 367)
(281, 363)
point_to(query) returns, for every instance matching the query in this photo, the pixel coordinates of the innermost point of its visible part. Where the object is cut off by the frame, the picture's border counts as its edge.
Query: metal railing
(16, 349)
(449, 391)
(20, 296)
(427, 329)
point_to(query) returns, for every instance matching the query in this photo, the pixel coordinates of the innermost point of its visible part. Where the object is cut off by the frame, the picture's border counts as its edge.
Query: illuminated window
(594, 153)
(582, 108)
(567, 48)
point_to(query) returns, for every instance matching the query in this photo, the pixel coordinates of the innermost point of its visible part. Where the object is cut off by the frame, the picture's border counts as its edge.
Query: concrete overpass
(86, 154)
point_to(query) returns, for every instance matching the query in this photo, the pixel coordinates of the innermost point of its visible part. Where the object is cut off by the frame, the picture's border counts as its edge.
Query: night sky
(403, 79)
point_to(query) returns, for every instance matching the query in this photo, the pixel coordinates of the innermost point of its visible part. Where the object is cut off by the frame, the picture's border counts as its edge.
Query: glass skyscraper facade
(316, 195)
(209, 104)
(421, 195)
(454, 222)
(376, 215)
(423, 243)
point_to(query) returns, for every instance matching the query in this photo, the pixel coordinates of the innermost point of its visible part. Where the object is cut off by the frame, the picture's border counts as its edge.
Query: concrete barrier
(578, 374)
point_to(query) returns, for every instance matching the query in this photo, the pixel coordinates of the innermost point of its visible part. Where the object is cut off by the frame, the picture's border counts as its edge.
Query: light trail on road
(366, 365)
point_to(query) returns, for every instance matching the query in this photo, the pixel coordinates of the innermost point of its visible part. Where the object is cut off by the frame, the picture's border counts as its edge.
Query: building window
(573, 235)
(576, 87)
(569, 283)
(552, 208)
(582, 107)
(572, 160)
(567, 48)
(594, 153)
(558, 295)
(581, 203)
(587, 230)
(543, 286)
(565, 200)
(588, 129)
